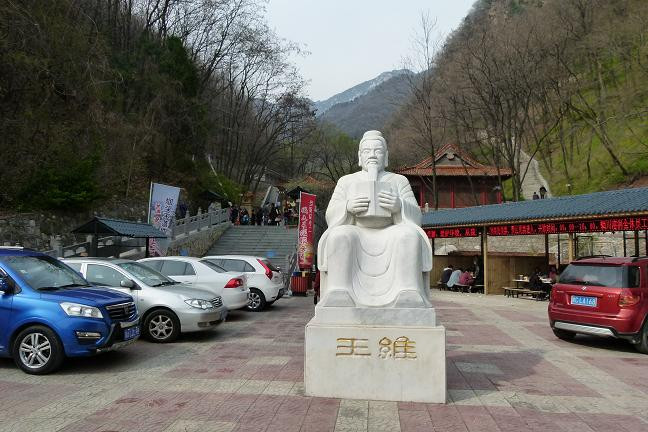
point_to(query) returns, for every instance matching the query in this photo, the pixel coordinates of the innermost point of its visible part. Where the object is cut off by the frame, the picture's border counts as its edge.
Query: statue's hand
(389, 201)
(358, 205)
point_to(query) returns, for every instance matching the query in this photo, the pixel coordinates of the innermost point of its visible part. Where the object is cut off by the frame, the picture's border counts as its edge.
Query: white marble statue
(374, 253)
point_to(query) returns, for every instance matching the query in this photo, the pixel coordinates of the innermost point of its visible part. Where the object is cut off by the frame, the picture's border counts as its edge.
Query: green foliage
(177, 65)
(207, 180)
(603, 174)
(62, 188)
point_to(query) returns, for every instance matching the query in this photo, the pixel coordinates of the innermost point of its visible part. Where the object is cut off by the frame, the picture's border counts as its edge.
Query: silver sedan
(167, 307)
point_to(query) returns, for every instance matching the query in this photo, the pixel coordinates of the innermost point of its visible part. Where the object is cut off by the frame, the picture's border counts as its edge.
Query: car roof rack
(593, 256)
(637, 258)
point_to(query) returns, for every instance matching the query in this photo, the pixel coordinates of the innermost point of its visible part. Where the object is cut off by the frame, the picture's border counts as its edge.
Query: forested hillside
(100, 97)
(564, 80)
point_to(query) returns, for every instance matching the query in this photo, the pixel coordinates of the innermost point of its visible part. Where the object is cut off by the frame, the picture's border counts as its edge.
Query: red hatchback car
(602, 297)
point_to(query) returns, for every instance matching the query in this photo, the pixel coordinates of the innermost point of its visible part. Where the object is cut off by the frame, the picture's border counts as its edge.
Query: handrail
(181, 227)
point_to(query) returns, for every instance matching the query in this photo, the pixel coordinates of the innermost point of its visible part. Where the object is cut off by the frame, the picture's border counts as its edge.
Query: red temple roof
(449, 163)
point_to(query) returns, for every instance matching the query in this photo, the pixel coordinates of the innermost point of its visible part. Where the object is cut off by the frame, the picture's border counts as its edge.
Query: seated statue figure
(374, 252)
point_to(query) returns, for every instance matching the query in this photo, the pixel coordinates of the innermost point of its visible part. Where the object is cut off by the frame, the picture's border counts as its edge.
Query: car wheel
(161, 326)
(37, 350)
(256, 300)
(642, 345)
(564, 334)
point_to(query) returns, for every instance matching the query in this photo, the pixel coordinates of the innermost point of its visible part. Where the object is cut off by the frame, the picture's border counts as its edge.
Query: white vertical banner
(162, 206)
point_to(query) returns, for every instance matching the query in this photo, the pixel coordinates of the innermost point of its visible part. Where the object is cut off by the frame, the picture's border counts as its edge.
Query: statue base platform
(404, 363)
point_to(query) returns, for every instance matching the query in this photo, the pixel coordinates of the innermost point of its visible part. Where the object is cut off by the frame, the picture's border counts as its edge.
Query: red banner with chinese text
(305, 246)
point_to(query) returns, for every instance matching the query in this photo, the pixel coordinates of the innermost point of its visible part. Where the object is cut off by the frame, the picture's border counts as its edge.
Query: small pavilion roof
(448, 160)
(615, 203)
(100, 225)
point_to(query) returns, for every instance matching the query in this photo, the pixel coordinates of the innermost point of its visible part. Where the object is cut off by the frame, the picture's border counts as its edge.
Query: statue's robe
(374, 262)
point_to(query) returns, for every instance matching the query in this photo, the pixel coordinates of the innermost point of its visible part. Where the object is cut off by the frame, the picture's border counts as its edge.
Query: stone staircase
(275, 242)
(533, 179)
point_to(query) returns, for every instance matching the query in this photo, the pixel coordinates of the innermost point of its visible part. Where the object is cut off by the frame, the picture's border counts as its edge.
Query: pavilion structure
(461, 180)
(624, 210)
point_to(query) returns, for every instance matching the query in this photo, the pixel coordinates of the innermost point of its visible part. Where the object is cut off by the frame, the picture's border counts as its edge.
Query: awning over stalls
(117, 227)
(611, 211)
(617, 210)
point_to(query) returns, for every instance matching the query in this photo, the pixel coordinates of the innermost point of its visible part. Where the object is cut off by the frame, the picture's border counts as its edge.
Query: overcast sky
(351, 41)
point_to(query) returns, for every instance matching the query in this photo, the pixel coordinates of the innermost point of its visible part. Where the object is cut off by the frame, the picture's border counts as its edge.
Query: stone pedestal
(400, 359)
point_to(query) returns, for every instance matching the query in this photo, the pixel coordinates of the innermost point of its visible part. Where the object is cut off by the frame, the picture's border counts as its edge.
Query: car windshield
(213, 266)
(146, 274)
(44, 272)
(600, 275)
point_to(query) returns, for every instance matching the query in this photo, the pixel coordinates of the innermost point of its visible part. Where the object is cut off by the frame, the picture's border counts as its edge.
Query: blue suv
(48, 311)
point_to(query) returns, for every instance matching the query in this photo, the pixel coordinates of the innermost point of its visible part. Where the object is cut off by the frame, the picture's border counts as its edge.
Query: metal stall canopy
(116, 227)
(610, 211)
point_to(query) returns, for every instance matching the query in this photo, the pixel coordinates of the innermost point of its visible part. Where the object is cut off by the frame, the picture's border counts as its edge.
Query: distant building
(455, 172)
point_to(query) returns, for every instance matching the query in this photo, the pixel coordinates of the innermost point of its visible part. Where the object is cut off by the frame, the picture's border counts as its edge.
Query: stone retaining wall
(36, 230)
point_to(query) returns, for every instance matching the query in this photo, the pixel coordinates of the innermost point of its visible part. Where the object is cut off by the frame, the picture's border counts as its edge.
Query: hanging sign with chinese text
(305, 246)
(595, 225)
(452, 232)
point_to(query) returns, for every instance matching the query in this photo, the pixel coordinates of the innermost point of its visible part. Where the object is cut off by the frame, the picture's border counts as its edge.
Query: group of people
(451, 277)
(270, 214)
(542, 195)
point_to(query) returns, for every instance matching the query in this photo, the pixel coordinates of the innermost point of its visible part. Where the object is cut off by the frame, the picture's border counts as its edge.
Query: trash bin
(299, 284)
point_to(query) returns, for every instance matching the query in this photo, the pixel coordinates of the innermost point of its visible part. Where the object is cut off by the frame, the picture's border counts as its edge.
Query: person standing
(543, 192)
(234, 215)
(266, 214)
(272, 215)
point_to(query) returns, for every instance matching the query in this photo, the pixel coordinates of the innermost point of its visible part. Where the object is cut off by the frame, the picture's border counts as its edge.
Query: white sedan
(264, 279)
(232, 286)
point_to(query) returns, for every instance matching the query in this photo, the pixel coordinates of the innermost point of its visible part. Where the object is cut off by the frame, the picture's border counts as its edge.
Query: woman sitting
(466, 278)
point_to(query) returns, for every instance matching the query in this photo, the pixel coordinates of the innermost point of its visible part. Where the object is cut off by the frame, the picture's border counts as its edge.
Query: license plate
(131, 332)
(584, 301)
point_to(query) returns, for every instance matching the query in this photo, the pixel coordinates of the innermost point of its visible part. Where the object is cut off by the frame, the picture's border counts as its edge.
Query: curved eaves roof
(120, 227)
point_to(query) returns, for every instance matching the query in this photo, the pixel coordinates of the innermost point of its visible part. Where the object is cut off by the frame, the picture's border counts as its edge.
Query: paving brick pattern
(506, 372)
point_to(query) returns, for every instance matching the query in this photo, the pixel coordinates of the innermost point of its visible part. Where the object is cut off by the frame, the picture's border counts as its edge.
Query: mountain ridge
(371, 110)
(358, 90)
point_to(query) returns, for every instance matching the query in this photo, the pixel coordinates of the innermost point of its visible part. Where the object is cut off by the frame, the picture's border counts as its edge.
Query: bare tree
(423, 107)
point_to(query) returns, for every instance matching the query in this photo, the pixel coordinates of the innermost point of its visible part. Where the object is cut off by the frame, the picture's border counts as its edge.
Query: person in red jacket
(466, 278)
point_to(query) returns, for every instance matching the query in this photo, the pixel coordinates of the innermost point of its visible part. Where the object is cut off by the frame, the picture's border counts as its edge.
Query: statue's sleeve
(410, 210)
(411, 213)
(336, 213)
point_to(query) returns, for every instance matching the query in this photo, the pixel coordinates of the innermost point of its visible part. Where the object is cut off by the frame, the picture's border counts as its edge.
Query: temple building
(461, 180)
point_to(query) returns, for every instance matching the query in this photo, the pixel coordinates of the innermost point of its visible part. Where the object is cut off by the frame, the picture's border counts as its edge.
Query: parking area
(506, 372)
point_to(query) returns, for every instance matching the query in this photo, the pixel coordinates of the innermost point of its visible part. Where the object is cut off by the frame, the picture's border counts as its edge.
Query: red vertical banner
(305, 246)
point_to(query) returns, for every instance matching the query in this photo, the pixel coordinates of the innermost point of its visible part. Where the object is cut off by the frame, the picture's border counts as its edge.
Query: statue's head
(373, 150)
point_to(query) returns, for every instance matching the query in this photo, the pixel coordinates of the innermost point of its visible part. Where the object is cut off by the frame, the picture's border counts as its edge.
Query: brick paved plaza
(506, 372)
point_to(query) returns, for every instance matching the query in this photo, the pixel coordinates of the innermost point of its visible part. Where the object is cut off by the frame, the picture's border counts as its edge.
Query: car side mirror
(5, 287)
(128, 283)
